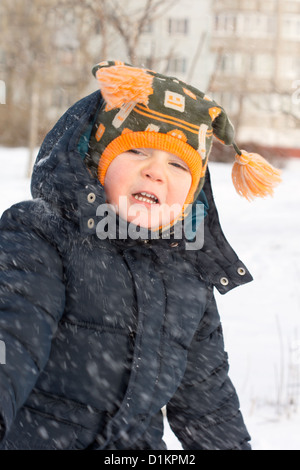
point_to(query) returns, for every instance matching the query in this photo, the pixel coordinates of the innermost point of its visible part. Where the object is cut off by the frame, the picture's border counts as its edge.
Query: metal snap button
(224, 281)
(91, 197)
(90, 223)
(241, 271)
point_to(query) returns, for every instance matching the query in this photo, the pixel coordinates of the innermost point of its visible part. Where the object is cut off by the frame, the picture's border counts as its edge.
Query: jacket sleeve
(31, 303)
(204, 412)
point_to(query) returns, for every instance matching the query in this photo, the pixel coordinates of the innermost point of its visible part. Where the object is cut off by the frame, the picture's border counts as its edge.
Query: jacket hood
(59, 174)
(61, 177)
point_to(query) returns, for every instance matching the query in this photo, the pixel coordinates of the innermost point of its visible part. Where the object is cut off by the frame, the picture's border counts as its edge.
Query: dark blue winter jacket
(101, 334)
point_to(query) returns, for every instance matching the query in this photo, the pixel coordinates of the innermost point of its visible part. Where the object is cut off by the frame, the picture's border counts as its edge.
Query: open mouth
(146, 197)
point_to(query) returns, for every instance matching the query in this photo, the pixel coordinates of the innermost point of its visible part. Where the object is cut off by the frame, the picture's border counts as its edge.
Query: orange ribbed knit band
(156, 140)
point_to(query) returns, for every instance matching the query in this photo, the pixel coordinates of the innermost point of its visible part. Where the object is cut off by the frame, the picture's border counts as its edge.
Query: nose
(154, 171)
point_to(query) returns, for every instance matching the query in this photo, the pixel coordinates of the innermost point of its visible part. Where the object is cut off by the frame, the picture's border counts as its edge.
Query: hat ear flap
(223, 129)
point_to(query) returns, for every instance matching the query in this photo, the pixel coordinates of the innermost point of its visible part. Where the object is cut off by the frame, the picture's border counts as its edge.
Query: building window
(59, 97)
(178, 26)
(240, 65)
(66, 56)
(291, 27)
(225, 23)
(290, 67)
(247, 24)
(2, 56)
(62, 98)
(231, 64)
(148, 28)
(256, 25)
(145, 62)
(177, 65)
(262, 65)
(98, 28)
(228, 100)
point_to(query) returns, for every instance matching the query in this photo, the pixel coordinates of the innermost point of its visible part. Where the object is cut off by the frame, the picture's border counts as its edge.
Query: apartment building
(174, 40)
(178, 39)
(245, 53)
(257, 68)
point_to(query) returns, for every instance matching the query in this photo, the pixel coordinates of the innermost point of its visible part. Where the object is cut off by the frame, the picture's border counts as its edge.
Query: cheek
(187, 185)
(115, 183)
(181, 189)
(110, 189)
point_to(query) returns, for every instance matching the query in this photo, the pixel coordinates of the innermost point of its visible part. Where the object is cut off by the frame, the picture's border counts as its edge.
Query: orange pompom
(120, 84)
(253, 176)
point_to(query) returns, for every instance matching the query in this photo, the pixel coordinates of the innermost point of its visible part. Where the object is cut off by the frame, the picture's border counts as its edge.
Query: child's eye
(137, 152)
(179, 165)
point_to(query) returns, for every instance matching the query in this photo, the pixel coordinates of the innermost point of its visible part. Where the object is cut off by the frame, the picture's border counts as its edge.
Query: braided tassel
(253, 176)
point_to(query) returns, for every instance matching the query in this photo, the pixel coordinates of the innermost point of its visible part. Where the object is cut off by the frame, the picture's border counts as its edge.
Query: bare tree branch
(131, 24)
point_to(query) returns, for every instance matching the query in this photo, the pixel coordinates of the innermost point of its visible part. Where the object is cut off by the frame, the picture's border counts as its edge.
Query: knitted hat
(145, 109)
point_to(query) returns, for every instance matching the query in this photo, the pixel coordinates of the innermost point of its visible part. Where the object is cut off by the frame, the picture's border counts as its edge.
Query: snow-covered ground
(261, 320)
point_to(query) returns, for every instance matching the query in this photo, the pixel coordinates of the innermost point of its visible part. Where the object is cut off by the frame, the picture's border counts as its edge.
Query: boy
(102, 329)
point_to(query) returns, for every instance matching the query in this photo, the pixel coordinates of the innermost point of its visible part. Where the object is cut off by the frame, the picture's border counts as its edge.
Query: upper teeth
(145, 197)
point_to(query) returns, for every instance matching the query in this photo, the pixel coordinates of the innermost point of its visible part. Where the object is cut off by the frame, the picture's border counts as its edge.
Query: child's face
(147, 186)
